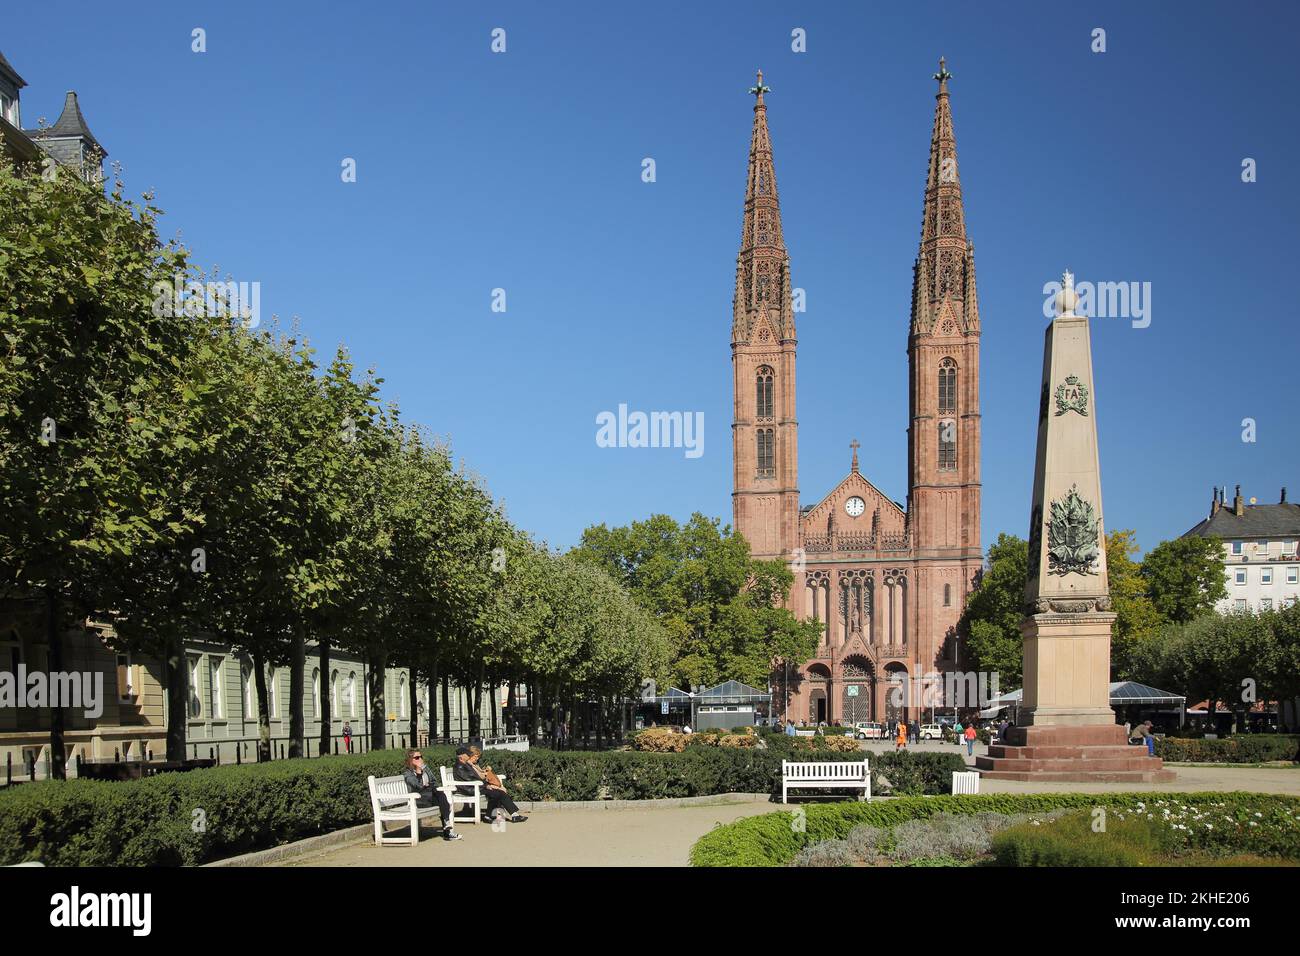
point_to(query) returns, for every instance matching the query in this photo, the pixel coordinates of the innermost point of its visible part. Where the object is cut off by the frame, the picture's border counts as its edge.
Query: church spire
(944, 276)
(763, 266)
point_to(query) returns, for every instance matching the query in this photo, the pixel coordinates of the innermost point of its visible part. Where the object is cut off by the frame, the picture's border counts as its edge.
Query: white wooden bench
(827, 775)
(391, 801)
(449, 787)
(967, 781)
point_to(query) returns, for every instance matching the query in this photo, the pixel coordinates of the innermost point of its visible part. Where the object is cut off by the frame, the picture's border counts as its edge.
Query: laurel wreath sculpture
(1065, 404)
(1072, 535)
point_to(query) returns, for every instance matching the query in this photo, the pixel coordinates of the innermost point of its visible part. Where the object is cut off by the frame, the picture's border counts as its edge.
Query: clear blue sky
(523, 171)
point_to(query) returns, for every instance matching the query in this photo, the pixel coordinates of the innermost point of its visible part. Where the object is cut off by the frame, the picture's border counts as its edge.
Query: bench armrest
(392, 800)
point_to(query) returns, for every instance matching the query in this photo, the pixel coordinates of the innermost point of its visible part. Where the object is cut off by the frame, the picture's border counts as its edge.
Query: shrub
(769, 840)
(1071, 841)
(1248, 748)
(865, 842)
(826, 853)
(660, 740)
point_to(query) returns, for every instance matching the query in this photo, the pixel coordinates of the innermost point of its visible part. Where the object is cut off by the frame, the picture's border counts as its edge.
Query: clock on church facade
(886, 581)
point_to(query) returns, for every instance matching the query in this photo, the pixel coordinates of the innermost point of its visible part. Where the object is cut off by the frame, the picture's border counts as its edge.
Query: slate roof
(69, 124)
(9, 68)
(1258, 521)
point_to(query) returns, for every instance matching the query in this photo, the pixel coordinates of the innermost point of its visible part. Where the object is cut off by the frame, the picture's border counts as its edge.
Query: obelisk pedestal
(1066, 729)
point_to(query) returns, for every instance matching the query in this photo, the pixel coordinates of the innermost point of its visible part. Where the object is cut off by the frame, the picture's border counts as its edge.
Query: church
(886, 583)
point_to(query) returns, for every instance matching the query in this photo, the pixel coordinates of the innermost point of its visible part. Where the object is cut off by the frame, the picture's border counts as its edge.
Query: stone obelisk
(1066, 729)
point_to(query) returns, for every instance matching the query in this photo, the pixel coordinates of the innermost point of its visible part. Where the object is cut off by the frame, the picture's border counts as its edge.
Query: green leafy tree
(1137, 619)
(1185, 577)
(990, 622)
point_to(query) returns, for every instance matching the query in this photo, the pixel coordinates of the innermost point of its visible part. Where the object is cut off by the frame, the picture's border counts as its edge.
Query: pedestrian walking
(970, 739)
(347, 736)
(957, 729)
(900, 738)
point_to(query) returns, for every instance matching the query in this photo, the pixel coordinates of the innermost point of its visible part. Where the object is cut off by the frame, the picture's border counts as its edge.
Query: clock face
(854, 506)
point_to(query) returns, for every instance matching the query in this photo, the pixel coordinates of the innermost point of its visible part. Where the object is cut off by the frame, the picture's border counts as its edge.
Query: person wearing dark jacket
(419, 780)
(498, 801)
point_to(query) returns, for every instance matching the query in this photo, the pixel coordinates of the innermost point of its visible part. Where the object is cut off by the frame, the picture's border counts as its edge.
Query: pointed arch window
(766, 453)
(764, 389)
(947, 386)
(947, 445)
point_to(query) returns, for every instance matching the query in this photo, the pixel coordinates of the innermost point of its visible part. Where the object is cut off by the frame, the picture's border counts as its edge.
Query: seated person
(419, 779)
(498, 801)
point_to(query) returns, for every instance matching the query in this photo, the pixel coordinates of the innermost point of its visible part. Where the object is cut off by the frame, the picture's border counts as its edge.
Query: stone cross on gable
(855, 446)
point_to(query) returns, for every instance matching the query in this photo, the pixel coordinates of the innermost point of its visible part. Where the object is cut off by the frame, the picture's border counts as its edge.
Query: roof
(732, 689)
(69, 124)
(1257, 521)
(1121, 692)
(7, 67)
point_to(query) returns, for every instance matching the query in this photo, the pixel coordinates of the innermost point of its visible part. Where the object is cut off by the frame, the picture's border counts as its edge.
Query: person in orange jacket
(900, 739)
(970, 739)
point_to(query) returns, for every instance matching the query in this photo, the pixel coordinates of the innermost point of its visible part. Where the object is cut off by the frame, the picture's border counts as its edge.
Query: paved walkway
(647, 836)
(663, 835)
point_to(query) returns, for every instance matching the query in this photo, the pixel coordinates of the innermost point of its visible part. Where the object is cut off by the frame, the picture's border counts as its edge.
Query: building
(68, 142)
(886, 580)
(221, 697)
(1259, 550)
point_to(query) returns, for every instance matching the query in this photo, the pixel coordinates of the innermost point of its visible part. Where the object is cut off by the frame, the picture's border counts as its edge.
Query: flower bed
(775, 839)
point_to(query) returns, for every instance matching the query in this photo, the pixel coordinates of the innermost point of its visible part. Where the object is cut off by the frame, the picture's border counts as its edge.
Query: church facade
(887, 583)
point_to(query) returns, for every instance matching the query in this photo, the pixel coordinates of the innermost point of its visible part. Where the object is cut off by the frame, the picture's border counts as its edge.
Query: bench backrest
(965, 782)
(825, 769)
(447, 778)
(387, 787)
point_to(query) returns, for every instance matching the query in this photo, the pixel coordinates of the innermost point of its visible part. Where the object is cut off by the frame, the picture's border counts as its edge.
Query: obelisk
(1066, 729)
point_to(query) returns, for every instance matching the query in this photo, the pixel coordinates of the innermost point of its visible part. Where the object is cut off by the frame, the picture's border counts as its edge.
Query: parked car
(866, 730)
(932, 731)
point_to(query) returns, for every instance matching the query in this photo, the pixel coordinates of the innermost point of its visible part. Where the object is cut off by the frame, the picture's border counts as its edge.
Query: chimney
(1238, 507)
(1283, 501)
(1214, 501)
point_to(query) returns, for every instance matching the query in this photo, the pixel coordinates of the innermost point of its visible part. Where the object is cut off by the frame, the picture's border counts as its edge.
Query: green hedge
(1247, 748)
(772, 839)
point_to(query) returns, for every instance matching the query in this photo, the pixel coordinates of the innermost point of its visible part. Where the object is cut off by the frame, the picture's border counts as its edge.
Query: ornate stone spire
(763, 266)
(943, 284)
(855, 445)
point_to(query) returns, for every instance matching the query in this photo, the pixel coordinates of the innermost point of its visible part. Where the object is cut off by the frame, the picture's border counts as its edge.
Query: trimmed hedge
(1247, 748)
(772, 840)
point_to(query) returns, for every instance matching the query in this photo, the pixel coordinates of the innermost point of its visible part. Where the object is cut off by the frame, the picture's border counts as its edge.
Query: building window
(1241, 576)
(214, 688)
(1261, 548)
(1293, 575)
(948, 445)
(1236, 547)
(401, 698)
(334, 695)
(1240, 604)
(766, 452)
(764, 392)
(1288, 548)
(126, 692)
(1265, 575)
(246, 682)
(315, 693)
(271, 694)
(350, 690)
(947, 595)
(947, 386)
(1266, 604)
(196, 703)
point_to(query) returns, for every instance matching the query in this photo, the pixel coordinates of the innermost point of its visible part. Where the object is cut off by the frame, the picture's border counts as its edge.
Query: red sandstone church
(887, 584)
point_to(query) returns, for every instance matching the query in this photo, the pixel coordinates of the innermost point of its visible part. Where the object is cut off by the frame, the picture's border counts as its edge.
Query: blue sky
(522, 171)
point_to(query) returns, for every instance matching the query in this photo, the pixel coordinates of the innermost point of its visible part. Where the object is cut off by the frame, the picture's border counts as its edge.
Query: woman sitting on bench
(420, 780)
(498, 801)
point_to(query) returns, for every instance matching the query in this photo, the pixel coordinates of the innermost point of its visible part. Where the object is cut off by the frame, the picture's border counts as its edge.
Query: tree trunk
(297, 665)
(535, 700)
(446, 707)
(433, 702)
(176, 675)
(263, 714)
(54, 637)
(413, 693)
(492, 705)
(378, 701)
(326, 694)
(512, 725)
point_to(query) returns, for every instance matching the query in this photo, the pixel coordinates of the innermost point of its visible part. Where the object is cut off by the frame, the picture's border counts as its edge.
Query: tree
(723, 611)
(1185, 577)
(85, 398)
(1137, 619)
(990, 622)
